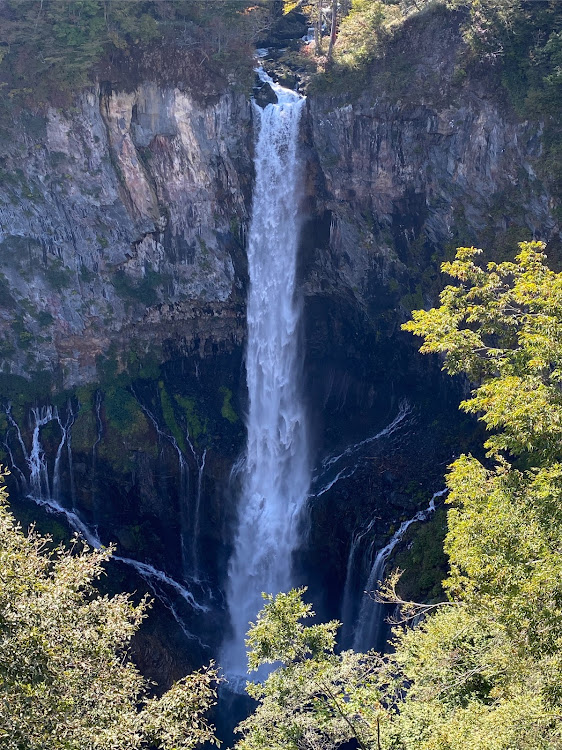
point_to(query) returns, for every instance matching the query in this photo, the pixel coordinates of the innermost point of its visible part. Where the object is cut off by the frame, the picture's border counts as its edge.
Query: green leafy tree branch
(65, 680)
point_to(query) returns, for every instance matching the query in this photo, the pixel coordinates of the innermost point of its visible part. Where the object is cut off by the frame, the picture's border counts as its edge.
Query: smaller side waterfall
(157, 580)
(197, 515)
(339, 466)
(44, 488)
(370, 620)
(355, 566)
(190, 499)
(39, 482)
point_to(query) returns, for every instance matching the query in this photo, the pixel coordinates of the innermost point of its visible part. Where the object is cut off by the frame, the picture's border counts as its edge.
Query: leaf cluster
(65, 680)
(486, 672)
(502, 326)
(316, 698)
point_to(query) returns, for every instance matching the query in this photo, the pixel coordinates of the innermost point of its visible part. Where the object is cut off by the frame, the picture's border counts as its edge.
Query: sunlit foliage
(65, 680)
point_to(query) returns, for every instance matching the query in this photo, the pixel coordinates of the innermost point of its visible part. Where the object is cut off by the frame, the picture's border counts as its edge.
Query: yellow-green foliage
(486, 670)
(66, 683)
(503, 324)
(316, 698)
(361, 30)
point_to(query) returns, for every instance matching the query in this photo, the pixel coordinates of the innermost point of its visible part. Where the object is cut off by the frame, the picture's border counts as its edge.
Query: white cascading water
(47, 494)
(370, 620)
(276, 472)
(340, 466)
(189, 536)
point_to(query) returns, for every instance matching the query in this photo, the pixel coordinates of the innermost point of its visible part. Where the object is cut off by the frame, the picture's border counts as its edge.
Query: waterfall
(157, 580)
(339, 466)
(190, 527)
(47, 494)
(38, 484)
(197, 519)
(370, 620)
(349, 602)
(36, 460)
(276, 473)
(97, 441)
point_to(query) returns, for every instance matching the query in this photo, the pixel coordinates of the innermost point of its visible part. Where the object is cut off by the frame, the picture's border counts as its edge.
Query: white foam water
(275, 475)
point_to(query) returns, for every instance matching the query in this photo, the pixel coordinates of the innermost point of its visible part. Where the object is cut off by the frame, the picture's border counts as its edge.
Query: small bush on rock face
(57, 275)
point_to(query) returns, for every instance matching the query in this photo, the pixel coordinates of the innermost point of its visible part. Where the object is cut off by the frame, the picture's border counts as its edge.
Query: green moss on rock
(423, 560)
(227, 409)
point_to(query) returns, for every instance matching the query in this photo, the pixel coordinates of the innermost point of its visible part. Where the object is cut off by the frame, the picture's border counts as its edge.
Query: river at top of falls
(276, 471)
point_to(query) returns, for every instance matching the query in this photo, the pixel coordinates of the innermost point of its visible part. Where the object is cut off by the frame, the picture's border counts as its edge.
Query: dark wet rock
(265, 95)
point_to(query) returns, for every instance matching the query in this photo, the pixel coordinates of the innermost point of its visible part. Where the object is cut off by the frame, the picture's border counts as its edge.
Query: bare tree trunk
(333, 29)
(318, 29)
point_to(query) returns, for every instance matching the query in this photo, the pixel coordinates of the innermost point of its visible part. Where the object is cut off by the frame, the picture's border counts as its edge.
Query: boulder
(265, 95)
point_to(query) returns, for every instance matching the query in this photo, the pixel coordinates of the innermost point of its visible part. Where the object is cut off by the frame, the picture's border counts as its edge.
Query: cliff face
(123, 288)
(426, 158)
(122, 221)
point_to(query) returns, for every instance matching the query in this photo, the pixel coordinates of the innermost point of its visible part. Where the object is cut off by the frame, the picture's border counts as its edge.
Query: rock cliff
(422, 158)
(122, 300)
(122, 223)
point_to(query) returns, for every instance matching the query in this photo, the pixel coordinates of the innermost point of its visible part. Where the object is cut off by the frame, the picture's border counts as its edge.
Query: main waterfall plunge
(276, 471)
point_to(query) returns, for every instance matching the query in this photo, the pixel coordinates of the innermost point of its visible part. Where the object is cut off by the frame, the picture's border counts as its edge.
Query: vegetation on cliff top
(518, 40)
(50, 49)
(483, 669)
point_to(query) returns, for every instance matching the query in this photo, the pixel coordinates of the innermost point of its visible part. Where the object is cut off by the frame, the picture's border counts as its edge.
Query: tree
(502, 326)
(316, 698)
(65, 680)
(486, 671)
(484, 668)
(51, 49)
(317, 11)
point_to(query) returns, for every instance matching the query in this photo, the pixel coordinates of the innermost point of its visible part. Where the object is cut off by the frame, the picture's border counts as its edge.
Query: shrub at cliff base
(483, 670)
(65, 681)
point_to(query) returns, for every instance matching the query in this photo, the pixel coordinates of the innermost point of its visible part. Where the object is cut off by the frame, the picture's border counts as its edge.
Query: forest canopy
(50, 49)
